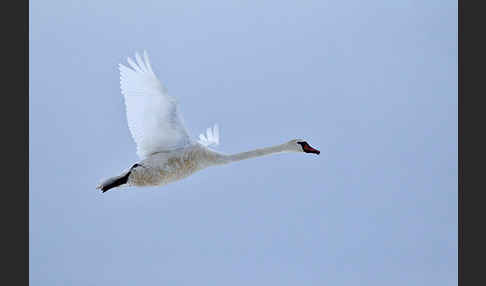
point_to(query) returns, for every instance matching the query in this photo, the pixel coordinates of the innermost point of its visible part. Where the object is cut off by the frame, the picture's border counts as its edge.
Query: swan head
(300, 145)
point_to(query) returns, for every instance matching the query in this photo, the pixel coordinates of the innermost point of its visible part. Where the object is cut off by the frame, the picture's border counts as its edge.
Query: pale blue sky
(372, 84)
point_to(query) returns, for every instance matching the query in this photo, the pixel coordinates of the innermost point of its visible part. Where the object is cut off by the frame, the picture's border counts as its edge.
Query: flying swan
(166, 151)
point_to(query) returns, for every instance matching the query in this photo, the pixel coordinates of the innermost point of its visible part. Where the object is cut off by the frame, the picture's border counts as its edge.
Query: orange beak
(308, 149)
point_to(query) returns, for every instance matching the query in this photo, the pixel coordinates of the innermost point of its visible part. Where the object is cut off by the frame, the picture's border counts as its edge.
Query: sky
(371, 84)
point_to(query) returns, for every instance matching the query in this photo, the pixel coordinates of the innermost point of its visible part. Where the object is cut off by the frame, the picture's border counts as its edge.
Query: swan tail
(113, 182)
(211, 138)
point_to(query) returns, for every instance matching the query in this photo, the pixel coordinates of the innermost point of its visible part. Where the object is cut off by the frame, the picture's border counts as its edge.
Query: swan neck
(255, 153)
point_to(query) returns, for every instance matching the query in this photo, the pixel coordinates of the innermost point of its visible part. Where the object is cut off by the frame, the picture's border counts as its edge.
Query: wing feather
(211, 137)
(149, 67)
(140, 63)
(133, 64)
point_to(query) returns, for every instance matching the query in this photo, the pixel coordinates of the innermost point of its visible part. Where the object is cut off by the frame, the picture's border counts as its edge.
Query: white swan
(166, 151)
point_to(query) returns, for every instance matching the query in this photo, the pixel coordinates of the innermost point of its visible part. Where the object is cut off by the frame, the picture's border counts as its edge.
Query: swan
(166, 151)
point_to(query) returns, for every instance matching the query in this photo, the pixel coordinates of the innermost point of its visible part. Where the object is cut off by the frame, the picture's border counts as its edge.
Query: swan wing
(152, 115)
(211, 137)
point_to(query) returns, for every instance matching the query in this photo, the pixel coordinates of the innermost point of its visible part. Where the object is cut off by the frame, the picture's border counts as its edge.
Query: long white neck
(225, 159)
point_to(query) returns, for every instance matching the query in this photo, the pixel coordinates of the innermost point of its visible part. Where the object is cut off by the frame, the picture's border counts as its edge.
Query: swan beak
(311, 150)
(308, 149)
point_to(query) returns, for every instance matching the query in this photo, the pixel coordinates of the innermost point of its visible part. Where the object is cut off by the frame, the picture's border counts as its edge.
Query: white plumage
(164, 146)
(152, 114)
(211, 138)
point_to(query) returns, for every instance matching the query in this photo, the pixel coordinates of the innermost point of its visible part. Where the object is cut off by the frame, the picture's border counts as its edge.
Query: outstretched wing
(211, 138)
(152, 115)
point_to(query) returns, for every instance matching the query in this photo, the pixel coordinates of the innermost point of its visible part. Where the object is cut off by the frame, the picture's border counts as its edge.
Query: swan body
(166, 151)
(165, 167)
